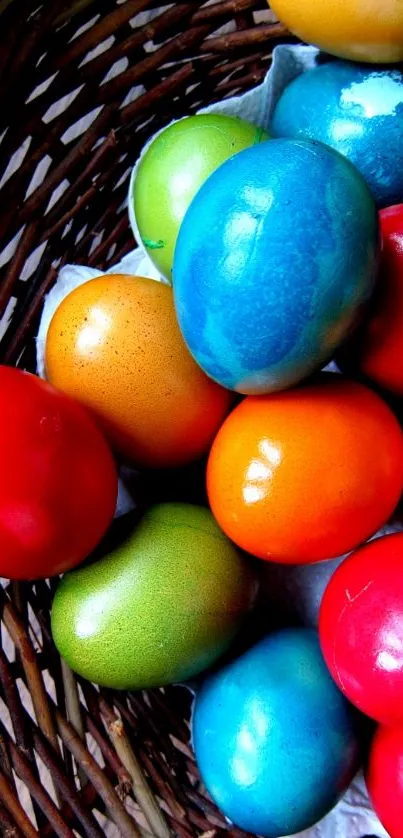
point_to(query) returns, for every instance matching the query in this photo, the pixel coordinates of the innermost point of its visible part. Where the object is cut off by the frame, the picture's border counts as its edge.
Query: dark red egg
(377, 349)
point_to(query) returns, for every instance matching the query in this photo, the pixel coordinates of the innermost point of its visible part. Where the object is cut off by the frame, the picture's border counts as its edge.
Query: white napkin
(304, 586)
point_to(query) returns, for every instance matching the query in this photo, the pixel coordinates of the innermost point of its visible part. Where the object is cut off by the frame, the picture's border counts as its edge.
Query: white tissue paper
(300, 588)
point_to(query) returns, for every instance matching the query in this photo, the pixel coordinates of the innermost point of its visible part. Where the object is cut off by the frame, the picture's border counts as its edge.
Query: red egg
(361, 628)
(385, 778)
(377, 349)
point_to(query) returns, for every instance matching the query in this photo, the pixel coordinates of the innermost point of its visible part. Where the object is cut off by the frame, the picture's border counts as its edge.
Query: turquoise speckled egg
(357, 110)
(275, 741)
(276, 255)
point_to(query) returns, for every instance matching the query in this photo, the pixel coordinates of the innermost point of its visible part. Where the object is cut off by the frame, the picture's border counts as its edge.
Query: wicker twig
(8, 827)
(258, 35)
(34, 678)
(73, 709)
(98, 780)
(66, 787)
(17, 264)
(22, 731)
(143, 794)
(13, 806)
(24, 771)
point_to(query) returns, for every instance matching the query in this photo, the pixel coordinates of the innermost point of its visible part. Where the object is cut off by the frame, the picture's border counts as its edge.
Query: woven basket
(84, 84)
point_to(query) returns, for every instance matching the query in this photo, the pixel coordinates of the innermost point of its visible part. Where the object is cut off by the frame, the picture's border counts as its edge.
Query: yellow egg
(114, 344)
(361, 30)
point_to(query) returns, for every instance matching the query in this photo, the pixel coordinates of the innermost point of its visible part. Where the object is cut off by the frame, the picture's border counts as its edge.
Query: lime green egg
(160, 608)
(172, 170)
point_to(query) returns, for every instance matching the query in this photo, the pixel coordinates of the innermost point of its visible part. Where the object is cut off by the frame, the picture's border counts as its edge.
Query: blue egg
(275, 741)
(357, 110)
(275, 256)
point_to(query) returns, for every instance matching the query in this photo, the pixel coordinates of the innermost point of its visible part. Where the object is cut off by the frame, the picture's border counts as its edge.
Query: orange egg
(115, 345)
(306, 474)
(361, 30)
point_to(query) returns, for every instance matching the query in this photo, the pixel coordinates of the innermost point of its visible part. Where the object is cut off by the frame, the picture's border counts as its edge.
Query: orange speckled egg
(361, 30)
(306, 474)
(115, 345)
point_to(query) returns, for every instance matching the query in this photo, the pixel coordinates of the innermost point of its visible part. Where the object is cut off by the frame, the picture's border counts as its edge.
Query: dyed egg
(361, 628)
(362, 30)
(271, 266)
(160, 608)
(274, 739)
(114, 344)
(385, 778)
(172, 170)
(377, 348)
(356, 110)
(307, 474)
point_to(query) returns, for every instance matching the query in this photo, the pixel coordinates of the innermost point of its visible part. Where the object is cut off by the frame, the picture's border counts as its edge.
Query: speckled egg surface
(356, 110)
(160, 608)
(274, 739)
(114, 344)
(274, 257)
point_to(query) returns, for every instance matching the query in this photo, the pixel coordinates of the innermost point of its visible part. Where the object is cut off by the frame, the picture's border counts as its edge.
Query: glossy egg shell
(58, 485)
(271, 266)
(361, 30)
(356, 110)
(174, 167)
(162, 607)
(293, 477)
(114, 344)
(377, 348)
(361, 628)
(274, 739)
(384, 778)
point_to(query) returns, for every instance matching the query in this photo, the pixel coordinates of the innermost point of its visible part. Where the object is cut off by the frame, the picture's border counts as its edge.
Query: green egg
(174, 167)
(160, 608)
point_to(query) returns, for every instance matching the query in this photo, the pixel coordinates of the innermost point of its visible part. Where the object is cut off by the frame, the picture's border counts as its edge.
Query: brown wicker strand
(24, 771)
(34, 678)
(15, 268)
(98, 780)
(13, 806)
(8, 827)
(145, 798)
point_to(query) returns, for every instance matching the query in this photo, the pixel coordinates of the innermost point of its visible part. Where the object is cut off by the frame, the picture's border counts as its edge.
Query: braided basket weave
(84, 84)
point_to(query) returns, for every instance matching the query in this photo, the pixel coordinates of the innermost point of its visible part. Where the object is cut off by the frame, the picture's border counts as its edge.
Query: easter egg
(356, 110)
(306, 474)
(274, 739)
(361, 628)
(271, 266)
(58, 485)
(160, 608)
(114, 344)
(385, 778)
(361, 30)
(376, 349)
(172, 170)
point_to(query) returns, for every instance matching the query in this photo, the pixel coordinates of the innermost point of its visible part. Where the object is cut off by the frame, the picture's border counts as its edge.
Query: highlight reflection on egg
(115, 345)
(275, 741)
(356, 110)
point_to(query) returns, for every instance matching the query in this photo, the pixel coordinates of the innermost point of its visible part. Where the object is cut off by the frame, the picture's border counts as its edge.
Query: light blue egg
(275, 256)
(275, 741)
(357, 110)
